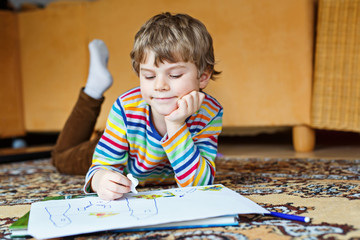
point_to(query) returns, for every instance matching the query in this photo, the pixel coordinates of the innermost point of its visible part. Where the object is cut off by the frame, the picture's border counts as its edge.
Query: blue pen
(289, 217)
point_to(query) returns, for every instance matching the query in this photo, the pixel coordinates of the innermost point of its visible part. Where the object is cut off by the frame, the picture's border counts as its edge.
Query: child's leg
(73, 151)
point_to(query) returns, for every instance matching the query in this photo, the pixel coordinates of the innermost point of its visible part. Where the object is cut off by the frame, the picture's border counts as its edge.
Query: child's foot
(99, 79)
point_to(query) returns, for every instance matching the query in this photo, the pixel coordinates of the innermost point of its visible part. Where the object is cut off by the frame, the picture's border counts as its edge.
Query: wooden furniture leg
(303, 138)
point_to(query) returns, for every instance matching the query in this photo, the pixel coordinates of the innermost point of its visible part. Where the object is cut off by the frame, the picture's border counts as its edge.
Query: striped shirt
(131, 144)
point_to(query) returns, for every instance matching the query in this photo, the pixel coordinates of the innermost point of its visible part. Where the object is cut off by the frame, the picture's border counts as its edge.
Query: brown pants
(73, 151)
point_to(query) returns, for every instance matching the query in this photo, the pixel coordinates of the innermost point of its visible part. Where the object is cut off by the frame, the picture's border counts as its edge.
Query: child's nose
(161, 84)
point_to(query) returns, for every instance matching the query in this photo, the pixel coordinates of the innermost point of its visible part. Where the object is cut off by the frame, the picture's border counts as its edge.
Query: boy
(167, 128)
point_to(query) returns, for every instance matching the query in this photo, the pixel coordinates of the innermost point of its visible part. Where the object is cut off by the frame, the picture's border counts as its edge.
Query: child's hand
(187, 105)
(110, 185)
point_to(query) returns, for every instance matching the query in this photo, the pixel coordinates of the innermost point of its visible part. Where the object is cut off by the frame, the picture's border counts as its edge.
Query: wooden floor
(329, 145)
(286, 151)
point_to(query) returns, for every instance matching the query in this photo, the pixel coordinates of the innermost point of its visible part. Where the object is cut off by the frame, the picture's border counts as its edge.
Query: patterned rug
(327, 191)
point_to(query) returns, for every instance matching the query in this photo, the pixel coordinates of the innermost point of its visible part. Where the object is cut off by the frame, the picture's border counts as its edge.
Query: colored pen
(289, 217)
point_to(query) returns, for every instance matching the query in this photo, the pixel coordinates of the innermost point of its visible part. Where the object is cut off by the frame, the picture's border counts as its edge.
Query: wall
(264, 50)
(11, 107)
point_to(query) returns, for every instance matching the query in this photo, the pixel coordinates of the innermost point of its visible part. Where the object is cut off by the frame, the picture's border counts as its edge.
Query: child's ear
(204, 79)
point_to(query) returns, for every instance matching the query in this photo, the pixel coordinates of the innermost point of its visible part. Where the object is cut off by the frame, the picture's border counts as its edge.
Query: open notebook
(203, 206)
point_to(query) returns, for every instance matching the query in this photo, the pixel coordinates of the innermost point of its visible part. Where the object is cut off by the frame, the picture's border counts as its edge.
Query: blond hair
(175, 38)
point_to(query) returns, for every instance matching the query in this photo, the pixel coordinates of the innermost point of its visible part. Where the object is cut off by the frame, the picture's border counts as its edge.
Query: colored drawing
(154, 196)
(182, 192)
(211, 188)
(61, 214)
(149, 196)
(103, 214)
(176, 193)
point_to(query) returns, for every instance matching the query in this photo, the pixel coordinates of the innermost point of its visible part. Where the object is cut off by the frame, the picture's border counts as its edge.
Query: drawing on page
(61, 214)
(182, 192)
(176, 193)
(98, 208)
(154, 196)
(138, 206)
(211, 188)
(57, 215)
(103, 214)
(147, 209)
(99, 205)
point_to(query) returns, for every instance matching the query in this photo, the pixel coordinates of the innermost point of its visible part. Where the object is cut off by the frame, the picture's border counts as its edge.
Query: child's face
(162, 86)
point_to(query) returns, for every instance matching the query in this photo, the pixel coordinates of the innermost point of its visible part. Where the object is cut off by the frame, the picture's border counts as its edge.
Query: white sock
(99, 78)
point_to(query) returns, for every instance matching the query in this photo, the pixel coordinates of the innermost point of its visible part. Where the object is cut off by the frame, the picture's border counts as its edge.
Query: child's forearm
(193, 163)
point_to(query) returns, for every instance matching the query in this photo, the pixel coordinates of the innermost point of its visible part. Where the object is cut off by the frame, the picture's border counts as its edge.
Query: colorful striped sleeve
(111, 152)
(192, 154)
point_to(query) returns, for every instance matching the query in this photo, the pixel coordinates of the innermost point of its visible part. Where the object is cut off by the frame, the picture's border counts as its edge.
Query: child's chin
(165, 109)
(166, 112)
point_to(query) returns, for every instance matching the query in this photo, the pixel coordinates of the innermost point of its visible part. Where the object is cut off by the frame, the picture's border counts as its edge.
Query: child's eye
(175, 76)
(149, 77)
